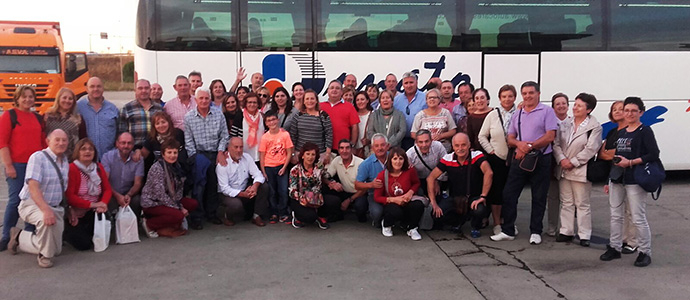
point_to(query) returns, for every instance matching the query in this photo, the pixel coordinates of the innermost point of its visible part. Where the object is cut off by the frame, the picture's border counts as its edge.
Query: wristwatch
(529, 145)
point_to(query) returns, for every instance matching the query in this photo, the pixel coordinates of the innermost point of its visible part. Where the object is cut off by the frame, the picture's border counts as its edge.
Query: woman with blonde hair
(64, 115)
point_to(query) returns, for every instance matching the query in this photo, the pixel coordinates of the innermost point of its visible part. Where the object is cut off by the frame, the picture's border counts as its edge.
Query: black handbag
(529, 161)
(598, 170)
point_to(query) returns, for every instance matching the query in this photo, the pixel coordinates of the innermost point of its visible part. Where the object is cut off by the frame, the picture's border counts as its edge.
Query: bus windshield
(29, 64)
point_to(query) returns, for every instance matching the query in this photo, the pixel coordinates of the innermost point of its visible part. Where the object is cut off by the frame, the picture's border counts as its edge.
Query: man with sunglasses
(410, 102)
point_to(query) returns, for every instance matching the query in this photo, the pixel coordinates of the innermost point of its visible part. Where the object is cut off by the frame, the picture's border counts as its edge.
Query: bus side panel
(659, 78)
(145, 67)
(212, 65)
(369, 67)
(508, 69)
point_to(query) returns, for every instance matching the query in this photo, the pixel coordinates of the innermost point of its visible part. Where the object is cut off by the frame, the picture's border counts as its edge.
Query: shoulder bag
(63, 202)
(529, 162)
(649, 176)
(598, 170)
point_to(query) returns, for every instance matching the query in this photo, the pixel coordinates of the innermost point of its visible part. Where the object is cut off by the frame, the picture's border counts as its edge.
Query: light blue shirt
(101, 125)
(410, 108)
(369, 169)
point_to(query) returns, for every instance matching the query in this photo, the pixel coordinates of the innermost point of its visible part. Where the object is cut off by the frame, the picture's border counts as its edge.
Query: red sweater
(75, 181)
(25, 139)
(407, 181)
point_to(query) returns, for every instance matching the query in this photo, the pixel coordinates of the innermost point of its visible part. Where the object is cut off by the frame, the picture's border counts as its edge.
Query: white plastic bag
(126, 228)
(101, 232)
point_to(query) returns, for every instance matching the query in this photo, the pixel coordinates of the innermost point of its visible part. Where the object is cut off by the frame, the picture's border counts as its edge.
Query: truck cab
(32, 53)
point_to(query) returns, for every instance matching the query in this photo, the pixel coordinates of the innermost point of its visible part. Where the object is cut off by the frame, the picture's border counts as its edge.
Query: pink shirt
(449, 105)
(177, 110)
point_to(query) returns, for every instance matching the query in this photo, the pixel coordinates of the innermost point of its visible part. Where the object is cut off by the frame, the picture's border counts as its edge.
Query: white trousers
(574, 196)
(635, 198)
(46, 240)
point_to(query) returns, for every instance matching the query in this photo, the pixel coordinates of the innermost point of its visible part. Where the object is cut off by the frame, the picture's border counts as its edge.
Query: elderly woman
(308, 205)
(21, 134)
(312, 125)
(249, 125)
(387, 120)
(436, 119)
(400, 184)
(636, 146)
(161, 198)
(88, 192)
(577, 141)
(492, 138)
(63, 114)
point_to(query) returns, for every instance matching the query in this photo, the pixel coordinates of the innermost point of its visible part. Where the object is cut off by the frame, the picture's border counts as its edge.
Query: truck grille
(41, 90)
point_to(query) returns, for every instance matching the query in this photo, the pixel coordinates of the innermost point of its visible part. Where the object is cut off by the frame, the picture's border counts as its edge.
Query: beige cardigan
(580, 149)
(492, 136)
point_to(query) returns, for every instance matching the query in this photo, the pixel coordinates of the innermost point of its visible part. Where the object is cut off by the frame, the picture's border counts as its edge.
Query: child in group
(275, 151)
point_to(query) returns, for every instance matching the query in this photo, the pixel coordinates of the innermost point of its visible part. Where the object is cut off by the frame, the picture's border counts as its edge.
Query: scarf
(253, 128)
(172, 172)
(379, 122)
(94, 182)
(387, 112)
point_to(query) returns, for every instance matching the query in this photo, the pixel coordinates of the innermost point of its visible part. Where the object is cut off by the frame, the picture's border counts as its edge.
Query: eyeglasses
(631, 111)
(433, 98)
(407, 110)
(263, 95)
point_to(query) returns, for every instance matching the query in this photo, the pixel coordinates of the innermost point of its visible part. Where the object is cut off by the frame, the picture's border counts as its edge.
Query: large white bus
(610, 48)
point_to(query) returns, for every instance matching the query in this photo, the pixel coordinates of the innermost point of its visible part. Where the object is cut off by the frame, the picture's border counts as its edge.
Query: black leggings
(408, 215)
(308, 215)
(80, 236)
(451, 217)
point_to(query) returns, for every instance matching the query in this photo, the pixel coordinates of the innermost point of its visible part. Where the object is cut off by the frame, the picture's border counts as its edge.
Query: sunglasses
(263, 95)
(407, 110)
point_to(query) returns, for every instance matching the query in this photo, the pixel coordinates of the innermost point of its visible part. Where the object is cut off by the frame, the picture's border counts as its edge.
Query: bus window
(544, 25)
(191, 25)
(277, 25)
(405, 25)
(659, 25)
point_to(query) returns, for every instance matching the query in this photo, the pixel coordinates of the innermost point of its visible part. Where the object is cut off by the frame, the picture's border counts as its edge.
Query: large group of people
(394, 158)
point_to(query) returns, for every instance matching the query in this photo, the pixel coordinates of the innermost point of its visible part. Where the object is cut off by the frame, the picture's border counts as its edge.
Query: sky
(82, 21)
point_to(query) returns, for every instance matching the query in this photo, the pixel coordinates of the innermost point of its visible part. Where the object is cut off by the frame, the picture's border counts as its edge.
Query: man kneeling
(470, 180)
(42, 201)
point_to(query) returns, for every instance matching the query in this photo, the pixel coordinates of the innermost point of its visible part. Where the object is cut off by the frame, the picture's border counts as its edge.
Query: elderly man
(42, 202)
(424, 156)
(465, 91)
(183, 103)
(99, 115)
(344, 117)
(409, 103)
(157, 94)
(391, 84)
(206, 139)
(135, 116)
(447, 100)
(257, 82)
(342, 173)
(350, 81)
(237, 191)
(126, 176)
(531, 131)
(467, 195)
(367, 172)
(195, 81)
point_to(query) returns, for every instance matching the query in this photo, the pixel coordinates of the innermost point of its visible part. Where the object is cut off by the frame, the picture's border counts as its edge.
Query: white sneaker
(414, 234)
(152, 234)
(387, 231)
(535, 239)
(497, 229)
(502, 237)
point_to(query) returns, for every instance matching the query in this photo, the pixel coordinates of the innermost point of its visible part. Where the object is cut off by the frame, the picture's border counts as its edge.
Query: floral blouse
(311, 181)
(154, 193)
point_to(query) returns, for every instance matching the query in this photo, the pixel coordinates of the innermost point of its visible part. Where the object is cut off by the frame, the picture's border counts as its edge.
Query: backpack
(14, 122)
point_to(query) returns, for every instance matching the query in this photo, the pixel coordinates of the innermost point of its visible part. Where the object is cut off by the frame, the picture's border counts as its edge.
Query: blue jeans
(517, 178)
(14, 186)
(278, 199)
(375, 211)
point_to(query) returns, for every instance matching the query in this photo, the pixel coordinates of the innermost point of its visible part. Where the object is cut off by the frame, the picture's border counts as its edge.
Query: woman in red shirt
(21, 134)
(88, 192)
(396, 195)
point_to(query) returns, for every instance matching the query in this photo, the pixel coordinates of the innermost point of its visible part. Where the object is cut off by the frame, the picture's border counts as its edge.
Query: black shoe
(323, 223)
(584, 243)
(362, 218)
(562, 238)
(196, 225)
(627, 249)
(215, 220)
(610, 254)
(643, 260)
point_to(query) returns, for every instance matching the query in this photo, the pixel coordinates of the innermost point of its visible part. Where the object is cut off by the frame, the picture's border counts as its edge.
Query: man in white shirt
(234, 186)
(342, 172)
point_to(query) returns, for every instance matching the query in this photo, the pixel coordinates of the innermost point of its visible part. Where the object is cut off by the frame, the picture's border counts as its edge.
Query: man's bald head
(57, 141)
(94, 88)
(235, 148)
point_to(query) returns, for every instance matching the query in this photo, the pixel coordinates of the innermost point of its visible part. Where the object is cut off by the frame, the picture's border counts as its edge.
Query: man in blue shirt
(410, 102)
(100, 116)
(367, 172)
